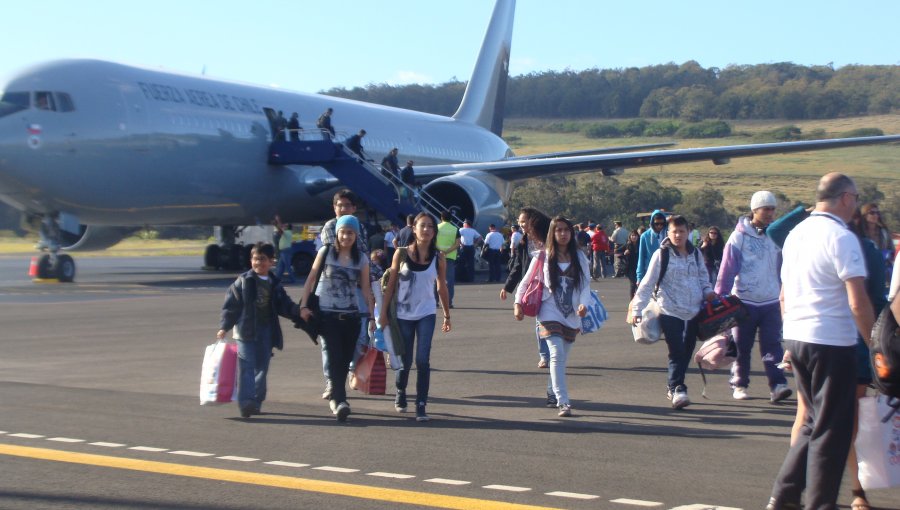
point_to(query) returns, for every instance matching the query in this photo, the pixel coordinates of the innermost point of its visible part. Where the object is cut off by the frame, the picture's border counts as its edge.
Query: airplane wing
(514, 169)
(588, 152)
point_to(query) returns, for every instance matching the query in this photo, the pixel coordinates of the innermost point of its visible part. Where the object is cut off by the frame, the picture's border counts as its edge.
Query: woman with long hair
(566, 296)
(630, 259)
(712, 248)
(415, 271)
(872, 226)
(343, 268)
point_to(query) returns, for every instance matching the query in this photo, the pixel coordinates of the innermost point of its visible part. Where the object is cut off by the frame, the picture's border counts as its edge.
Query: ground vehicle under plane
(95, 148)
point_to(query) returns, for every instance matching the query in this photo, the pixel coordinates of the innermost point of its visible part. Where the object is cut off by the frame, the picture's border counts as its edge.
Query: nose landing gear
(51, 265)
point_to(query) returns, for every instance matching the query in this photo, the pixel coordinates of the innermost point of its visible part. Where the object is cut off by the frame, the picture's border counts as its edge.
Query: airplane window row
(12, 102)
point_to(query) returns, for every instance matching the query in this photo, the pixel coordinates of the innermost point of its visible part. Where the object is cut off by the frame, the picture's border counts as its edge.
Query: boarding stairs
(379, 188)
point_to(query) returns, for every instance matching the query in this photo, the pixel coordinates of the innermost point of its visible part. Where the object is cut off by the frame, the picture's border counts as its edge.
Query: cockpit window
(12, 102)
(64, 101)
(44, 101)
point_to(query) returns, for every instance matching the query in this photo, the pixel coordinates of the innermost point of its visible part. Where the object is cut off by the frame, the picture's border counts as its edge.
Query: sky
(311, 46)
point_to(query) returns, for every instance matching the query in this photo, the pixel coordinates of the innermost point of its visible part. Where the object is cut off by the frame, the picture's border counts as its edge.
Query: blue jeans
(451, 278)
(423, 331)
(253, 366)
(284, 266)
(559, 354)
(766, 319)
(681, 337)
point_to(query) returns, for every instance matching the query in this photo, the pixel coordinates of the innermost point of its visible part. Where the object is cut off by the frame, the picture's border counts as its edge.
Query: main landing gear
(51, 265)
(226, 254)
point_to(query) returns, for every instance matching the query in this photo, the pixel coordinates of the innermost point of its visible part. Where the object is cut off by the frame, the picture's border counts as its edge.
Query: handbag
(313, 326)
(877, 444)
(719, 316)
(648, 330)
(370, 374)
(218, 375)
(596, 315)
(534, 289)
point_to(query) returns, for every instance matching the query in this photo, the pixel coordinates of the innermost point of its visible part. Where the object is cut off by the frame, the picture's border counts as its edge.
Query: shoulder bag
(313, 326)
(534, 289)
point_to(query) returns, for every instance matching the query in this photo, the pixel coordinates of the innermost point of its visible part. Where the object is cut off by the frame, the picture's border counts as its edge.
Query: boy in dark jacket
(252, 306)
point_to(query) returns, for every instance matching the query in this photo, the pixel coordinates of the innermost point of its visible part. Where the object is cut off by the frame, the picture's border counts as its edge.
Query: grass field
(795, 175)
(131, 247)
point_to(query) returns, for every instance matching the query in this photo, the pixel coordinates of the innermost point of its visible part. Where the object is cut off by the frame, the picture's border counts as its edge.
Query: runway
(100, 410)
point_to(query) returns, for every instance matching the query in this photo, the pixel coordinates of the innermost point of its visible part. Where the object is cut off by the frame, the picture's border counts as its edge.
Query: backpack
(885, 357)
(717, 352)
(321, 122)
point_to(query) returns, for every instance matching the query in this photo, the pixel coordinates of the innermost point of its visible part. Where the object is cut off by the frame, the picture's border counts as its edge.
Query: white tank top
(415, 293)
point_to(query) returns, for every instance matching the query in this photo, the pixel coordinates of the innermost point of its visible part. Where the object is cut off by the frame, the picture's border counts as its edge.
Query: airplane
(91, 150)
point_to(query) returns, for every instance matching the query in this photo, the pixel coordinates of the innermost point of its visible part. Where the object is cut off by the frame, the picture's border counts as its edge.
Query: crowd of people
(811, 283)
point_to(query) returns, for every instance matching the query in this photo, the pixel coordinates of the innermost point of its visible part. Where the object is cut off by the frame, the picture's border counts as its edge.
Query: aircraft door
(271, 115)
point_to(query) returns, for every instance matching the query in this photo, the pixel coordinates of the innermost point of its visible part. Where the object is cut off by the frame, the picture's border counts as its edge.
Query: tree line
(686, 91)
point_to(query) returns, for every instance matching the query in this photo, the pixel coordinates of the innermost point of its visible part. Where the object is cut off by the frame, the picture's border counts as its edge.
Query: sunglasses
(659, 223)
(874, 212)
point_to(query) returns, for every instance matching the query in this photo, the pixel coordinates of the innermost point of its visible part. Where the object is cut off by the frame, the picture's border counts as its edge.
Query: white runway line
(26, 436)
(573, 495)
(238, 459)
(285, 464)
(391, 475)
(635, 502)
(447, 481)
(65, 440)
(192, 454)
(508, 488)
(336, 469)
(148, 449)
(107, 445)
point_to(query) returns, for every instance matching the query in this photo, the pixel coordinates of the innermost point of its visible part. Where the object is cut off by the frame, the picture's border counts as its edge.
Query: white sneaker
(779, 393)
(740, 393)
(565, 410)
(680, 399)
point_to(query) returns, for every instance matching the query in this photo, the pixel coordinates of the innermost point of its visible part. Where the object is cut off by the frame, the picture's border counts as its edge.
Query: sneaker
(551, 400)
(543, 363)
(420, 413)
(333, 405)
(400, 402)
(680, 399)
(326, 395)
(669, 394)
(247, 412)
(565, 410)
(740, 393)
(342, 411)
(779, 393)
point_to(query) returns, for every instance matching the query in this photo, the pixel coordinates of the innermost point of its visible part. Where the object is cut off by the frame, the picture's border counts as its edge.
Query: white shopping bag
(395, 361)
(596, 315)
(218, 376)
(878, 444)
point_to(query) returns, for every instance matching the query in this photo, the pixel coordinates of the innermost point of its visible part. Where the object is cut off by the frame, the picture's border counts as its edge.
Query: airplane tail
(485, 95)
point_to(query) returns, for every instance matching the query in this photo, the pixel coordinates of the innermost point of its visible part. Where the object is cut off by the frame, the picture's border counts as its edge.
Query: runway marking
(447, 481)
(391, 475)
(238, 459)
(191, 454)
(285, 482)
(148, 449)
(107, 445)
(636, 502)
(508, 488)
(573, 495)
(286, 464)
(65, 440)
(333, 469)
(26, 436)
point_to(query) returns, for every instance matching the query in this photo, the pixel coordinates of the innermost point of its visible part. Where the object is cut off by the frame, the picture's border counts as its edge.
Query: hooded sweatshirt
(751, 265)
(649, 243)
(682, 289)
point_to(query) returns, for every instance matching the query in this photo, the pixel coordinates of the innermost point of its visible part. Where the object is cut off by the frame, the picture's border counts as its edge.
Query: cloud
(521, 65)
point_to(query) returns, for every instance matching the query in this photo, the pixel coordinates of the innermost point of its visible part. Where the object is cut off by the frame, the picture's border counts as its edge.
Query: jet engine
(476, 196)
(90, 237)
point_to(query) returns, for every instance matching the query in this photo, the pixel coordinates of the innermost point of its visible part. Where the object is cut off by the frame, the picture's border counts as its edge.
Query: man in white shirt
(493, 241)
(468, 236)
(824, 304)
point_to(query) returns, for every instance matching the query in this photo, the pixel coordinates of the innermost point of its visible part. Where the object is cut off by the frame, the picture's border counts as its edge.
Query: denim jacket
(240, 309)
